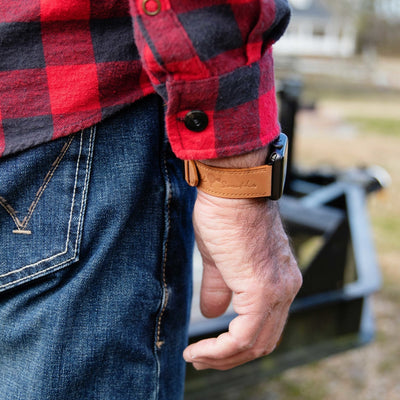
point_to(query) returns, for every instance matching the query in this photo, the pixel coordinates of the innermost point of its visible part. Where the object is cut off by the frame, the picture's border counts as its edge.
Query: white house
(316, 30)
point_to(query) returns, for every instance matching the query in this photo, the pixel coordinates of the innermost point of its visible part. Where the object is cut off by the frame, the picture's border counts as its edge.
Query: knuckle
(246, 344)
(261, 352)
(256, 353)
(288, 285)
(293, 282)
(297, 280)
(269, 349)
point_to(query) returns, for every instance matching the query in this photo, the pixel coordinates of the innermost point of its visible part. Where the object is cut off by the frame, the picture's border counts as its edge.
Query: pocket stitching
(10, 210)
(79, 225)
(46, 181)
(21, 225)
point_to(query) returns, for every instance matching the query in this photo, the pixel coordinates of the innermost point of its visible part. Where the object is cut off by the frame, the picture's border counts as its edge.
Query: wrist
(225, 207)
(254, 158)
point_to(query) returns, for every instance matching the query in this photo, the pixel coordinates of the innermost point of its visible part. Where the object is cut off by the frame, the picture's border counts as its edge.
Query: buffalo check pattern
(68, 64)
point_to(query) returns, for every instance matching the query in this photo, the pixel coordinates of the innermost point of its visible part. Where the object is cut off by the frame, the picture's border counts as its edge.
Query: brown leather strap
(229, 183)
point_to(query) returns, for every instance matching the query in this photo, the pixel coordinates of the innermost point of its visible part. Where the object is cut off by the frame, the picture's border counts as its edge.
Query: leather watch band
(230, 183)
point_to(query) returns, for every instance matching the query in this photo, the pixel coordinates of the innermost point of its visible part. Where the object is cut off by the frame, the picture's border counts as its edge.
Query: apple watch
(267, 180)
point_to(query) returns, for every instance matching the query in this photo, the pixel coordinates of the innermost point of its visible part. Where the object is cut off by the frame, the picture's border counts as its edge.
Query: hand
(246, 258)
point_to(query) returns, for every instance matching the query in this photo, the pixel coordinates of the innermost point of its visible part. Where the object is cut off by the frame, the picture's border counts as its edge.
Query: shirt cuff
(225, 115)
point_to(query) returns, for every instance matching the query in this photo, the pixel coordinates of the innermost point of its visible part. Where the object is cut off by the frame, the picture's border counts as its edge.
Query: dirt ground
(329, 136)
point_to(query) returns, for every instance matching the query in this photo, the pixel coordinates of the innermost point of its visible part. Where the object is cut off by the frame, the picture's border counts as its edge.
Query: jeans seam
(85, 189)
(159, 343)
(164, 287)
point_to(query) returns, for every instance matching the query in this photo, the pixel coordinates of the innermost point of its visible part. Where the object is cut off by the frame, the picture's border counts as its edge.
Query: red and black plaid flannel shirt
(68, 64)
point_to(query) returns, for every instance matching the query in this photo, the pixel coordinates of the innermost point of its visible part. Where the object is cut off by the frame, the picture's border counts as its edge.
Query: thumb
(215, 295)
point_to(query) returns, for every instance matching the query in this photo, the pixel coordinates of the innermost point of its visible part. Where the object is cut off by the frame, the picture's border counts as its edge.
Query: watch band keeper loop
(191, 174)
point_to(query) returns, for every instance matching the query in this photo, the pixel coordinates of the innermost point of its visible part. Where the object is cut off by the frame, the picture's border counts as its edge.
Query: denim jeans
(95, 264)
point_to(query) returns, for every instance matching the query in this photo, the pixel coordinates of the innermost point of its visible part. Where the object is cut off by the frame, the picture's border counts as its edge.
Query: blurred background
(343, 57)
(346, 53)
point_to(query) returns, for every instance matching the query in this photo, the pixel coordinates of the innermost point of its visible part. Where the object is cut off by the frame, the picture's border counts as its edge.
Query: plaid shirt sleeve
(213, 57)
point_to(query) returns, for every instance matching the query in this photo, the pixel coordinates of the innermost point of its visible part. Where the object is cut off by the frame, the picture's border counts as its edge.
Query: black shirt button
(196, 121)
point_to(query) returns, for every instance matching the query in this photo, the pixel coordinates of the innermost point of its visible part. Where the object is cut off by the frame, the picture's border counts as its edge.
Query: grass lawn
(383, 125)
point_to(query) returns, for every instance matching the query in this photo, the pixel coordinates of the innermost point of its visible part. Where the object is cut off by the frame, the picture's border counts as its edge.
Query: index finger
(242, 334)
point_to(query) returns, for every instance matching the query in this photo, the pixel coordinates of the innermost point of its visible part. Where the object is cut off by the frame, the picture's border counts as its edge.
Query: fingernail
(188, 356)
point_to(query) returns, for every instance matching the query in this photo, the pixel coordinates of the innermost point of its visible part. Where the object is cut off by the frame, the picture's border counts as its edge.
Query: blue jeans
(95, 264)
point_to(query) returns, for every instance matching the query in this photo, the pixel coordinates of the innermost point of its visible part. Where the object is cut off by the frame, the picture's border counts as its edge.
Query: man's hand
(246, 259)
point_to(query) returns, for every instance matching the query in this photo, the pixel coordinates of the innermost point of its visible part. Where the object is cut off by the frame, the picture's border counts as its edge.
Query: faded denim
(95, 264)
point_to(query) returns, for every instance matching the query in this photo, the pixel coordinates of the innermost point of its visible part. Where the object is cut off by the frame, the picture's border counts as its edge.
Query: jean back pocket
(42, 205)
